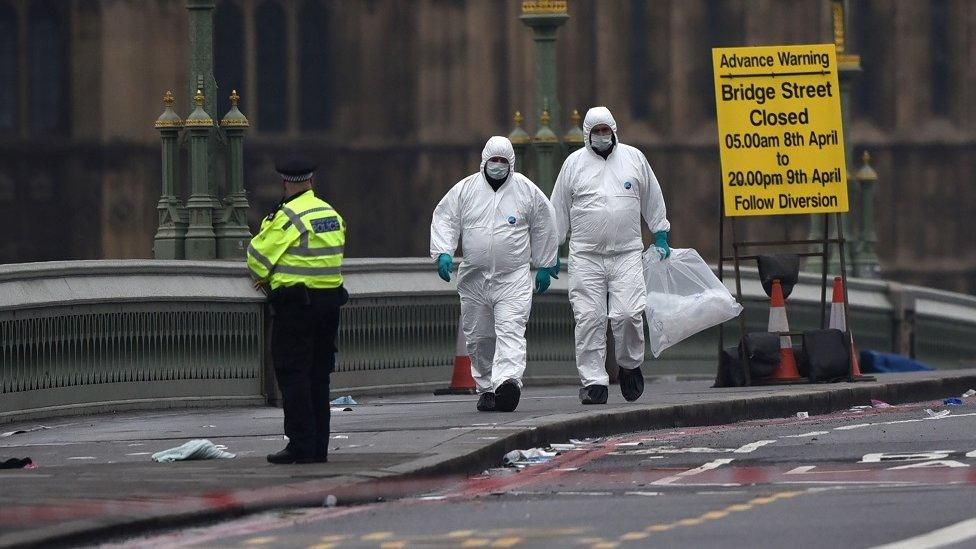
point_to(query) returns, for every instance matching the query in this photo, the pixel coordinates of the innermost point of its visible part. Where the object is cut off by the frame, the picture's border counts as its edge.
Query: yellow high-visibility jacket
(301, 244)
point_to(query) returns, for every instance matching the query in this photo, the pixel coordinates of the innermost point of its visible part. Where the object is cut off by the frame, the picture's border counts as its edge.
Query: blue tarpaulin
(873, 362)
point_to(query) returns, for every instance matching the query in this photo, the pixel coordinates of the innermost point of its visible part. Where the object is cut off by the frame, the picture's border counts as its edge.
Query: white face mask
(601, 142)
(497, 170)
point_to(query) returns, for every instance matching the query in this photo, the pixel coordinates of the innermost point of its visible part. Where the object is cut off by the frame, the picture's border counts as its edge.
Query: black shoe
(287, 456)
(507, 396)
(631, 383)
(486, 403)
(594, 394)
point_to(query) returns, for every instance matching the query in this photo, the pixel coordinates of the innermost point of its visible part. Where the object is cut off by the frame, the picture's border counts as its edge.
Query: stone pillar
(200, 238)
(232, 232)
(168, 243)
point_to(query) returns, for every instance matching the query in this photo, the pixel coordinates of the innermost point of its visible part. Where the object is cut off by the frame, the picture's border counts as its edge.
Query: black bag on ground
(802, 362)
(785, 267)
(762, 348)
(828, 354)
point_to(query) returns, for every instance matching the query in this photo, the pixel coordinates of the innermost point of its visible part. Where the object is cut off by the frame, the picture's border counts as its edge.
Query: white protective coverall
(502, 232)
(601, 203)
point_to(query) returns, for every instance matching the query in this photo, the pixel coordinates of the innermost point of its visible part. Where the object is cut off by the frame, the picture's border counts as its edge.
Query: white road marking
(810, 434)
(752, 446)
(83, 457)
(920, 456)
(927, 464)
(802, 470)
(642, 493)
(691, 472)
(950, 535)
(809, 470)
(139, 454)
(855, 426)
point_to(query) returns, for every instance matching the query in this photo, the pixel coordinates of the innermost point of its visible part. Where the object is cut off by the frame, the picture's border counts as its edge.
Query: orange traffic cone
(786, 369)
(461, 381)
(839, 321)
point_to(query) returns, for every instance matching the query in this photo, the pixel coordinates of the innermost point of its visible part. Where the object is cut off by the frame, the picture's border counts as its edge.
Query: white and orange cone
(839, 321)
(462, 383)
(786, 369)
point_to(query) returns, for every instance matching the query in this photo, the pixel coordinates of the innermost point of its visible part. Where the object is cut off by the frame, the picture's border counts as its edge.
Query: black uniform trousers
(303, 334)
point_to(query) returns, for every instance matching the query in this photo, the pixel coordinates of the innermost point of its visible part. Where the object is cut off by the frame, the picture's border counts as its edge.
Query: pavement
(95, 479)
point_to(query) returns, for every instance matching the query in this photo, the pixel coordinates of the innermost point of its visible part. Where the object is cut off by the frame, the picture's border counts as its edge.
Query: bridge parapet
(109, 335)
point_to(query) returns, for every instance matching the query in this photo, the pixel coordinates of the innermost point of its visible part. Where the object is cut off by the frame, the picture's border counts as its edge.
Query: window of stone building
(269, 20)
(640, 60)
(940, 58)
(314, 67)
(724, 27)
(864, 19)
(229, 48)
(46, 67)
(8, 69)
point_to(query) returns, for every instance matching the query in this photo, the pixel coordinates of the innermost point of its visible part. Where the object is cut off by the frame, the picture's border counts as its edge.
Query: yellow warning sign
(779, 130)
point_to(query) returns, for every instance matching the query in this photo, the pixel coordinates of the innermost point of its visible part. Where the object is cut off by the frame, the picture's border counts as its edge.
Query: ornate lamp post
(848, 67)
(200, 239)
(232, 232)
(168, 243)
(866, 262)
(544, 17)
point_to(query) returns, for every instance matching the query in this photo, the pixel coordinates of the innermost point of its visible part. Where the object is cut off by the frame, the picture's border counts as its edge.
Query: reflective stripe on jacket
(302, 244)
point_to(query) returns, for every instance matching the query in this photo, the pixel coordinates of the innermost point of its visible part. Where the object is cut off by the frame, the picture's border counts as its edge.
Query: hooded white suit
(502, 232)
(600, 202)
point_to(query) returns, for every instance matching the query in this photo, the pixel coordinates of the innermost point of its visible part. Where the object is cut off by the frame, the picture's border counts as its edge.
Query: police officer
(297, 256)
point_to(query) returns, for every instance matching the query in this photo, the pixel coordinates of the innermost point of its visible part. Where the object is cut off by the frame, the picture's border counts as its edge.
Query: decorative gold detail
(198, 122)
(545, 134)
(575, 117)
(198, 98)
(574, 134)
(518, 135)
(848, 61)
(544, 6)
(234, 98)
(161, 124)
(866, 172)
(518, 118)
(235, 123)
(168, 99)
(838, 12)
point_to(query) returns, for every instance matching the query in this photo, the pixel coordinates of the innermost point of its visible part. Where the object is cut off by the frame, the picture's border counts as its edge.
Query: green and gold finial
(575, 118)
(518, 118)
(234, 98)
(545, 118)
(234, 117)
(574, 134)
(866, 172)
(199, 117)
(198, 98)
(169, 119)
(545, 135)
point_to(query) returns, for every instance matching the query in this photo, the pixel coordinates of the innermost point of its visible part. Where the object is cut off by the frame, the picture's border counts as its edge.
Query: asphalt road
(854, 479)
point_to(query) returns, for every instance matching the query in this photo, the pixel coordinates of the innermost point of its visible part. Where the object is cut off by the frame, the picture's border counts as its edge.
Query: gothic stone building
(395, 98)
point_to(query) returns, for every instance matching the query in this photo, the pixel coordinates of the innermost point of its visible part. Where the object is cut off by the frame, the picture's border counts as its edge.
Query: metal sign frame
(737, 257)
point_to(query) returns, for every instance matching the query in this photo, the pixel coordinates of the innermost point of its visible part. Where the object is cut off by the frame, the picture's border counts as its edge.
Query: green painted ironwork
(206, 227)
(866, 264)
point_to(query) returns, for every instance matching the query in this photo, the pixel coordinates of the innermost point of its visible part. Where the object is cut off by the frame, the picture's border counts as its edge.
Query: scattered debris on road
(17, 463)
(344, 401)
(194, 449)
(936, 415)
(802, 415)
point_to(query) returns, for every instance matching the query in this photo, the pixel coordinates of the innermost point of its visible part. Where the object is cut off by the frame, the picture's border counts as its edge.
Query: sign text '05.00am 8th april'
(780, 134)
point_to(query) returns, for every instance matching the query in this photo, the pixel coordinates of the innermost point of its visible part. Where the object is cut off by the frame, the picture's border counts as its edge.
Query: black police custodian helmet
(295, 169)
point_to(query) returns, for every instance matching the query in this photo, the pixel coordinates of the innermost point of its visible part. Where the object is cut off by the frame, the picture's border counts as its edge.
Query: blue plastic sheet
(873, 362)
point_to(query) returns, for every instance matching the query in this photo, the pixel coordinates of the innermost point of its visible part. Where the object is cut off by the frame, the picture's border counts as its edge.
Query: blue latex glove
(445, 264)
(661, 243)
(542, 280)
(554, 270)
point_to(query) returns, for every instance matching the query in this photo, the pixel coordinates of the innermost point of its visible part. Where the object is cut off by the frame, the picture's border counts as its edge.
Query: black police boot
(507, 396)
(594, 394)
(321, 454)
(486, 403)
(631, 383)
(287, 456)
